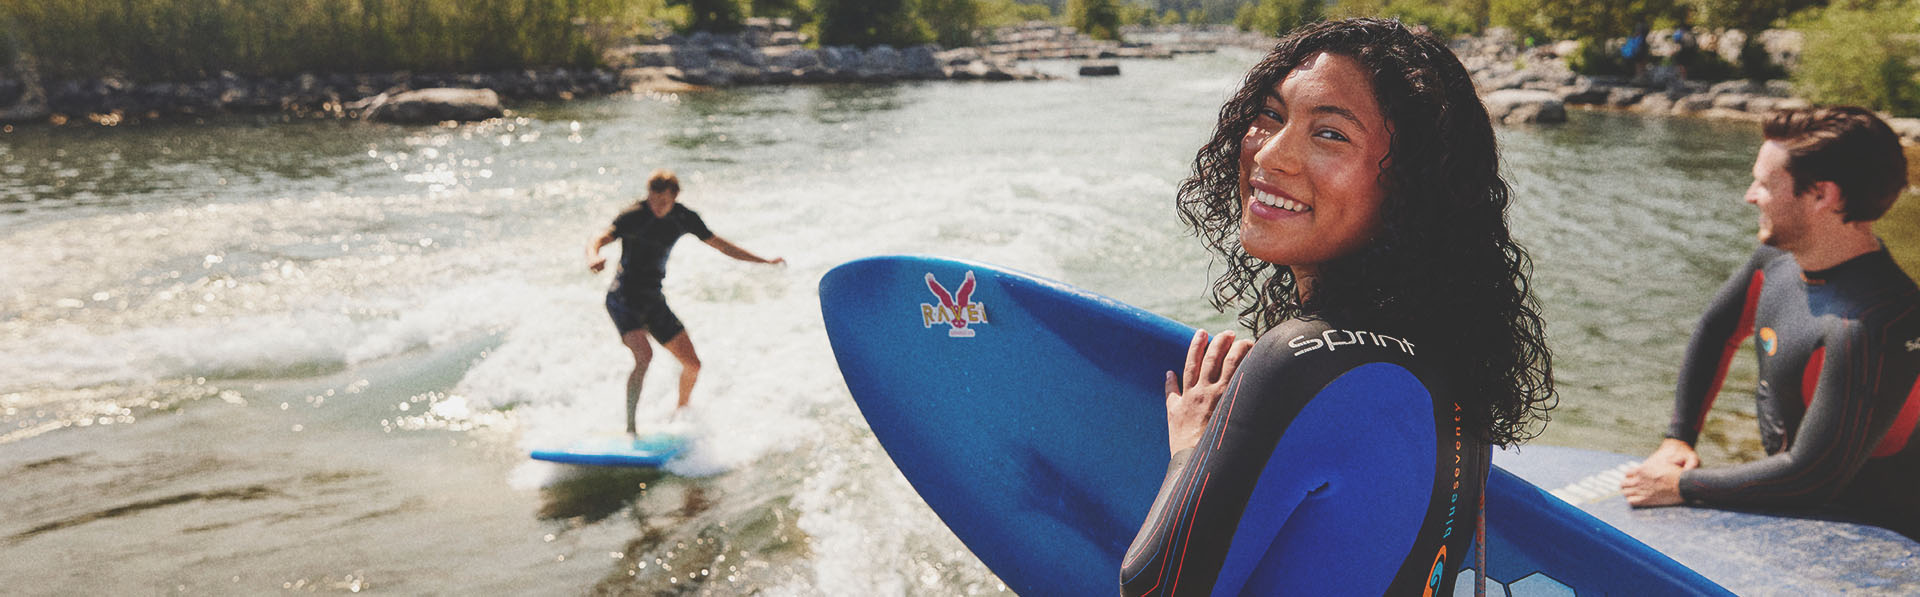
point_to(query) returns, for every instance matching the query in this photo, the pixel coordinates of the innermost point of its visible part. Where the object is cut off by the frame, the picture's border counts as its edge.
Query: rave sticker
(956, 310)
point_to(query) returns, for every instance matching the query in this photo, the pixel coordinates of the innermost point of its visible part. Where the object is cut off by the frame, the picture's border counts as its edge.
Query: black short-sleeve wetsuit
(1837, 404)
(635, 301)
(1334, 464)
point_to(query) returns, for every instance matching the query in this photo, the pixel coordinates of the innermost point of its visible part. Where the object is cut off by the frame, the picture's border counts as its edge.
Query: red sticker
(955, 310)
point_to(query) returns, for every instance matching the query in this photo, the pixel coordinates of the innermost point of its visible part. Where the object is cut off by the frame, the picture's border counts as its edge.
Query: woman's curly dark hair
(1441, 267)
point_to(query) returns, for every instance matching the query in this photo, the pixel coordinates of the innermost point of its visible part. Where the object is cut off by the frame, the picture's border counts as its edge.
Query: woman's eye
(1271, 114)
(1331, 134)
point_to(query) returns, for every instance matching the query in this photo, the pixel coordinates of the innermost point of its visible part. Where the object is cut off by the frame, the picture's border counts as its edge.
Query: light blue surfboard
(1030, 416)
(649, 450)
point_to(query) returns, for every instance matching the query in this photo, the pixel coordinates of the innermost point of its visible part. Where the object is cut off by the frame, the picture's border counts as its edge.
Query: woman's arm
(734, 251)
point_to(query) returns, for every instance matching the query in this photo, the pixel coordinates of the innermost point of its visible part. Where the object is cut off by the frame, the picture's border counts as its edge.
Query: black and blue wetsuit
(1333, 465)
(1837, 403)
(635, 301)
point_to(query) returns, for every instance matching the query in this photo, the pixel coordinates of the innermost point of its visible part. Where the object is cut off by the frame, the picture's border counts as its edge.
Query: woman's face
(1310, 167)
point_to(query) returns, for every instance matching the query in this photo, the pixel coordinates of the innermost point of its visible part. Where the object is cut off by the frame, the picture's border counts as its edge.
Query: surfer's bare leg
(682, 348)
(636, 341)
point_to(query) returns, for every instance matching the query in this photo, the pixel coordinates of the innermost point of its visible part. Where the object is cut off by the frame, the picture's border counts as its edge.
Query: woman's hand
(596, 263)
(1192, 396)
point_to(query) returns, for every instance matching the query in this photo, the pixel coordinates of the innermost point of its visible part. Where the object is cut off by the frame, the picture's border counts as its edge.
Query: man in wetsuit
(647, 231)
(1838, 338)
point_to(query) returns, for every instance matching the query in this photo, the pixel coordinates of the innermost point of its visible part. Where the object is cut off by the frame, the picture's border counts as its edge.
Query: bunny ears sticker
(956, 309)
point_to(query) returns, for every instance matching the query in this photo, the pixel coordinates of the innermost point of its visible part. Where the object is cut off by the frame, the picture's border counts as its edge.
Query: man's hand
(1192, 396)
(1653, 485)
(1676, 453)
(1656, 482)
(596, 263)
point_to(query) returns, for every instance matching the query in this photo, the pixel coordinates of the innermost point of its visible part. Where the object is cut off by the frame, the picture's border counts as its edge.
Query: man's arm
(1861, 389)
(1727, 321)
(734, 251)
(595, 262)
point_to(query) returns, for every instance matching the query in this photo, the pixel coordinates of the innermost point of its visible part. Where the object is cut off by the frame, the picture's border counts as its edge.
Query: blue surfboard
(1030, 416)
(649, 450)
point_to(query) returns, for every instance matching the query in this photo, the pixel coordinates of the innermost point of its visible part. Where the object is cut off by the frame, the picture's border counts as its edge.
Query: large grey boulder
(921, 63)
(1515, 106)
(882, 62)
(1907, 128)
(435, 105)
(1100, 68)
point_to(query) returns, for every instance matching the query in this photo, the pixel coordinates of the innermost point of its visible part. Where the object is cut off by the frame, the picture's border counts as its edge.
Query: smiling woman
(1352, 185)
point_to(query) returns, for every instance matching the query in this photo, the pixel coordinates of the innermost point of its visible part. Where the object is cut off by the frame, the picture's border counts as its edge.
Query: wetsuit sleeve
(692, 223)
(1207, 488)
(1716, 338)
(1862, 385)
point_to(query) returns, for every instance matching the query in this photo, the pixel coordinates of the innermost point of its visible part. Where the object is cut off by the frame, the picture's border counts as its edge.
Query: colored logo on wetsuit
(1769, 341)
(956, 309)
(1436, 576)
(1913, 345)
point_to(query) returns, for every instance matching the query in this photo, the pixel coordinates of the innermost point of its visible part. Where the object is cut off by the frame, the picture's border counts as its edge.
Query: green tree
(1580, 19)
(1746, 15)
(798, 10)
(953, 21)
(1275, 17)
(1099, 19)
(1863, 54)
(1449, 17)
(718, 16)
(867, 23)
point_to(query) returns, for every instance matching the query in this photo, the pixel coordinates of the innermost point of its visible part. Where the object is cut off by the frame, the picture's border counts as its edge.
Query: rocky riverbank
(767, 52)
(1535, 85)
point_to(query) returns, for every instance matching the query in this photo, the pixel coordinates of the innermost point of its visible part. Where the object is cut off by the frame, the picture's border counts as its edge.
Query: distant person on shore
(1838, 338)
(1352, 190)
(1635, 52)
(647, 231)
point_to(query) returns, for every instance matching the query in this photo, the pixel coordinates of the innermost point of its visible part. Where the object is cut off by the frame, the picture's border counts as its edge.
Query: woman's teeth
(1278, 201)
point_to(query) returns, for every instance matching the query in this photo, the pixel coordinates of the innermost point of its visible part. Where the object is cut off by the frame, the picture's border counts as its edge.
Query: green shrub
(1276, 17)
(1004, 13)
(868, 23)
(1099, 19)
(1862, 56)
(953, 21)
(1595, 58)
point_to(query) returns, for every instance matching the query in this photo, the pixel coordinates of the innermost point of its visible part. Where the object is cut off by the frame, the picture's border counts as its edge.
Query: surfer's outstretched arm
(734, 251)
(594, 261)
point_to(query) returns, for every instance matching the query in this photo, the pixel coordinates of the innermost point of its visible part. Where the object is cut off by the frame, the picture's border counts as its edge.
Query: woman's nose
(1277, 151)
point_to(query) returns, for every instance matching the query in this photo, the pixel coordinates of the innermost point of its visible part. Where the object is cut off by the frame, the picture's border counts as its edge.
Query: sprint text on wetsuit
(1332, 340)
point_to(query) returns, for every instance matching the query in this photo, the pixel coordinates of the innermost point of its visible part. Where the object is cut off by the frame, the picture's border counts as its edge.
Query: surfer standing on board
(1352, 188)
(1838, 338)
(647, 231)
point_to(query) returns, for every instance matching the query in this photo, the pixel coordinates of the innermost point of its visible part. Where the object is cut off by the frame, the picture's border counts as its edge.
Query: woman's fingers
(1234, 356)
(1195, 351)
(1216, 351)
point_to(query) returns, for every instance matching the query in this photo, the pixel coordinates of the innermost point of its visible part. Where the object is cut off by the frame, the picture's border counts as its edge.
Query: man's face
(1785, 216)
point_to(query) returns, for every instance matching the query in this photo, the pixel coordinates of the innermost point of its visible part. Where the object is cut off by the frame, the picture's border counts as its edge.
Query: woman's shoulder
(1301, 358)
(1326, 340)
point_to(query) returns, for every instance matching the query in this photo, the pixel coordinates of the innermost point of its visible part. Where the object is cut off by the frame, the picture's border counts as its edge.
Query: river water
(248, 355)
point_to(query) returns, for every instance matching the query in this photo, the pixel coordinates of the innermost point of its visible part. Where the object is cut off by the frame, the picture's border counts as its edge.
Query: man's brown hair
(663, 180)
(1848, 146)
